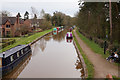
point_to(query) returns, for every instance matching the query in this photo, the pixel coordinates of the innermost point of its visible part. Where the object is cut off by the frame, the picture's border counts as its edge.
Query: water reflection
(42, 44)
(15, 73)
(60, 36)
(39, 46)
(79, 67)
(53, 57)
(69, 40)
(48, 37)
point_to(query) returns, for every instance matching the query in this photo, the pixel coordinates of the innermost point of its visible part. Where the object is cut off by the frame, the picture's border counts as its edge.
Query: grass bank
(89, 66)
(25, 40)
(94, 47)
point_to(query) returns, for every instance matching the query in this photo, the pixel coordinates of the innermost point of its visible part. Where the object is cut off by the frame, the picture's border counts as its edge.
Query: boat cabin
(11, 58)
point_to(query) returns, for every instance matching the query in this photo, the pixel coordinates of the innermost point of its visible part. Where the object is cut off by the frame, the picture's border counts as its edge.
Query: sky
(69, 7)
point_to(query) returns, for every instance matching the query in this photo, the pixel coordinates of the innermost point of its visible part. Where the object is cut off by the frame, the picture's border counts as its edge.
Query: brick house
(10, 25)
(35, 24)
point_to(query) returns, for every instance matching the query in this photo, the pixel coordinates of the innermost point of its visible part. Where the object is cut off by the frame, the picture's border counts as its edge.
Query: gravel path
(101, 66)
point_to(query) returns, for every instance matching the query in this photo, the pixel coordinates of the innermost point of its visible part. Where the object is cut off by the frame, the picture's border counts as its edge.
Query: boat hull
(10, 67)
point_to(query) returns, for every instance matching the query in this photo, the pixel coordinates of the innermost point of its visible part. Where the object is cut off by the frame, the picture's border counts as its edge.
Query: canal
(52, 57)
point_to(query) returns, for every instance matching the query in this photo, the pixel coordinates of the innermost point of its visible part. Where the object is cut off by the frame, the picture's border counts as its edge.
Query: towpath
(101, 66)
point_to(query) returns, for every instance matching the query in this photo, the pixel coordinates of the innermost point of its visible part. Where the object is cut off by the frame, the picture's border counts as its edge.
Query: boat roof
(54, 28)
(12, 50)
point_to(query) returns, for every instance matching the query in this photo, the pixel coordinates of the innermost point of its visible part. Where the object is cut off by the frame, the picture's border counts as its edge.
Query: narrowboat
(15, 73)
(58, 29)
(62, 28)
(69, 40)
(71, 29)
(69, 35)
(12, 57)
(54, 31)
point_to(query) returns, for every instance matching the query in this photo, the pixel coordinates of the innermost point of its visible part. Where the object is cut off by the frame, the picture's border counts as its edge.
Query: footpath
(101, 66)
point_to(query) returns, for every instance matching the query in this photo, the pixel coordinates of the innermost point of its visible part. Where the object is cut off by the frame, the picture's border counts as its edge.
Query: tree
(25, 28)
(57, 18)
(34, 11)
(42, 13)
(18, 15)
(45, 24)
(26, 15)
(60, 19)
(47, 17)
(100, 19)
(35, 16)
(5, 13)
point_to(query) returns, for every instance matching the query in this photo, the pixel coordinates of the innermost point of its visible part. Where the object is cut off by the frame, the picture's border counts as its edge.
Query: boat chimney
(3, 54)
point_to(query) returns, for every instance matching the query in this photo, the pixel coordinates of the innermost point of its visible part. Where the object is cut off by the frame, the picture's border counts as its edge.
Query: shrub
(11, 41)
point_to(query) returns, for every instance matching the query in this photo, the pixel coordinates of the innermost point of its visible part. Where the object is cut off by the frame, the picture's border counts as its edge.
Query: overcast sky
(69, 7)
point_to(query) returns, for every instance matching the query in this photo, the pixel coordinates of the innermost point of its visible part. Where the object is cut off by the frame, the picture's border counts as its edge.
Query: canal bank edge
(89, 66)
(39, 38)
(81, 59)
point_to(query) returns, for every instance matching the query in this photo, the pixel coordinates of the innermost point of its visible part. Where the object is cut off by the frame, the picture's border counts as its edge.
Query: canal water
(52, 57)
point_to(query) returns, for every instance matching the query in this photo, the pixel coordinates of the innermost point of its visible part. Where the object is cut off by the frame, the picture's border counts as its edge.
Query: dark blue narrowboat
(12, 57)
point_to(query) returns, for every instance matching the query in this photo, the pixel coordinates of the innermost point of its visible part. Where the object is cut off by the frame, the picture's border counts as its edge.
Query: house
(35, 24)
(10, 26)
(16, 26)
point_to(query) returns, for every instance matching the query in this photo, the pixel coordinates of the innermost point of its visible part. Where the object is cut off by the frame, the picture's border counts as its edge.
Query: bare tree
(5, 13)
(42, 13)
(26, 15)
(34, 11)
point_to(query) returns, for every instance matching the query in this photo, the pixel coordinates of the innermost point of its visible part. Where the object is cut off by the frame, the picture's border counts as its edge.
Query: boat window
(0, 62)
(17, 54)
(26, 49)
(22, 51)
(11, 58)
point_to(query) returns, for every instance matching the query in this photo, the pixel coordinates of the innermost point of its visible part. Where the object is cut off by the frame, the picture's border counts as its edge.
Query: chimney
(3, 54)
(17, 18)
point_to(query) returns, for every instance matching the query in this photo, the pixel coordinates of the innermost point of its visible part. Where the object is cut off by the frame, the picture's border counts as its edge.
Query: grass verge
(94, 47)
(26, 40)
(89, 65)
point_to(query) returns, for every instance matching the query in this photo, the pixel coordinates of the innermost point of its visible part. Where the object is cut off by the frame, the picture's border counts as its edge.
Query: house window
(11, 57)
(7, 32)
(7, 26)
(22, 51)
(18, 54)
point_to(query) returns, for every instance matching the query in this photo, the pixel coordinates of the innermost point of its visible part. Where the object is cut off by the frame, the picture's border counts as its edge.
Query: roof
(33, 21)
(12, 20)
(12, 50)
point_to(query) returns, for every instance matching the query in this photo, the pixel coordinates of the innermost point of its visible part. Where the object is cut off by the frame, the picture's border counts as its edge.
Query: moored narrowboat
(12, 57)
(69, 35)
(69, 40)
(54, 31)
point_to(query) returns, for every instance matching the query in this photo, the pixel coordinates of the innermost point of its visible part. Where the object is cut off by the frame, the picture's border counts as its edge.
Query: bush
(7, 43)
(100, 42)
